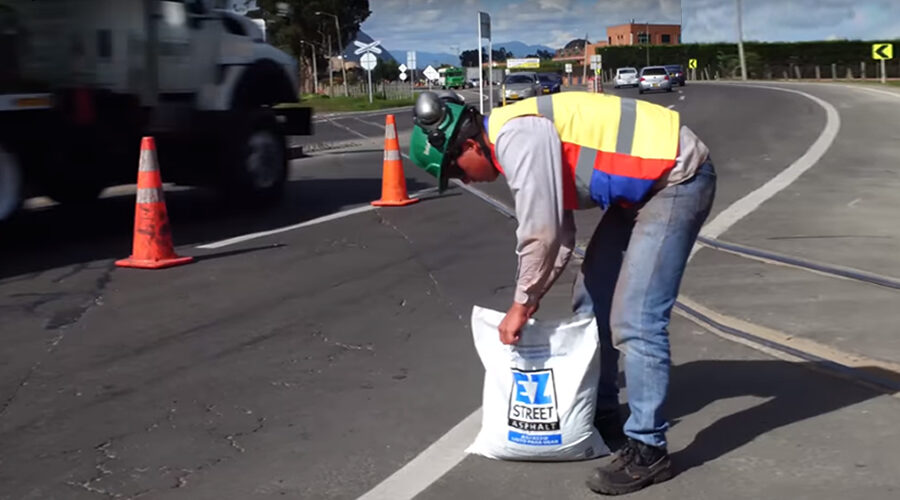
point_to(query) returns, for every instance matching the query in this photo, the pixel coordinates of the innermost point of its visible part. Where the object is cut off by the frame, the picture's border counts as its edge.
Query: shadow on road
(58, 236)
(794, 393)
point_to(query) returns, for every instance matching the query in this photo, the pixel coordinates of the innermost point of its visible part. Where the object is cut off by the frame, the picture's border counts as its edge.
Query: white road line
(312, 222)
(348, 129)
(438, 459)
(371, 124)
(449, 450)
(744, 206)
(320, 220)
(263, 234)
(895, 95)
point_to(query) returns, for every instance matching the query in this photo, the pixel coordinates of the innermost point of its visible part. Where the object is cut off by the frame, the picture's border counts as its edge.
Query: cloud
(435, 26)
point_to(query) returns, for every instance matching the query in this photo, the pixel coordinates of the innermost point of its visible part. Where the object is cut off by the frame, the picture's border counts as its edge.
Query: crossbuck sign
(367, 60)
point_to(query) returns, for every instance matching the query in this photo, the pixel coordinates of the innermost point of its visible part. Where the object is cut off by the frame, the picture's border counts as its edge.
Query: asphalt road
(317, 362)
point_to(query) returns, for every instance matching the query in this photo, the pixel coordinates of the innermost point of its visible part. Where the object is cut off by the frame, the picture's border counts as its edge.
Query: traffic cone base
(393, 182)
(153, 264)
(399, 203)
(152, 246)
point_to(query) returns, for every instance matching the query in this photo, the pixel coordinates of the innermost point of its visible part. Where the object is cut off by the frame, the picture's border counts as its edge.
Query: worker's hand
(516, 317)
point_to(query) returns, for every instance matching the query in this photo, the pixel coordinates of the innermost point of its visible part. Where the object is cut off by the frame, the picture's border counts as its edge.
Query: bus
(452, 78)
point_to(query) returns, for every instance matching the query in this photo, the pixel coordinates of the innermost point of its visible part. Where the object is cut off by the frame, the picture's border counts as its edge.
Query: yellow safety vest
(614, 148)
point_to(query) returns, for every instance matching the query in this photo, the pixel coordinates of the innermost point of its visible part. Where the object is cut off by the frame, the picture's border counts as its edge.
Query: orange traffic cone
(393, 182)
(152, 247)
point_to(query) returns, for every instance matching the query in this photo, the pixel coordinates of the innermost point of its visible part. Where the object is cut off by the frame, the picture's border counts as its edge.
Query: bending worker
(656, 183)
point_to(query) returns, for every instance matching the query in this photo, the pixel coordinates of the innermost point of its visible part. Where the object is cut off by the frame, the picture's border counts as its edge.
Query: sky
(450, 25)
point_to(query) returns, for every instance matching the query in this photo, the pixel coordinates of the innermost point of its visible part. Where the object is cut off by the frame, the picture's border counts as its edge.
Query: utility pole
(740, 29)
(647, 41)
(330, 70)
(315, 71)
(584, 63)
(337, 27)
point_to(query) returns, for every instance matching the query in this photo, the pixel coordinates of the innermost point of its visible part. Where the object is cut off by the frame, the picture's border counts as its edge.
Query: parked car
(676, 74)
(654, 78)
(551, 83)
(626, 77)
(521, 85)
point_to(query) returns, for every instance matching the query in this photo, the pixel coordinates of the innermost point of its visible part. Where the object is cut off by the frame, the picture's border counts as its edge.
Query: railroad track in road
(885, 376)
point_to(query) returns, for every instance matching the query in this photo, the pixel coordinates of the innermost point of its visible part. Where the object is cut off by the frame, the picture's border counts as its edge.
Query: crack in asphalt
(60, 321)
(428, 272)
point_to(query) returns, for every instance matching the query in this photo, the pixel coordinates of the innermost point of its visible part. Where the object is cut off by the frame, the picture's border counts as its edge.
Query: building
(574, 51)
(643, 33)
(623, 34)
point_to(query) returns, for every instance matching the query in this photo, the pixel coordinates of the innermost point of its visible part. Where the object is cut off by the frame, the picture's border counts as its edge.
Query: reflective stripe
(149, 195)
(148, 161)
(545, 106)
(391, 154)
(584, 169)
(627, 121)
(390, 132)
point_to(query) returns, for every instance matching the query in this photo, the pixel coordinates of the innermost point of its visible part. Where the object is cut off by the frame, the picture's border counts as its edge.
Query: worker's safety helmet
(437, 117)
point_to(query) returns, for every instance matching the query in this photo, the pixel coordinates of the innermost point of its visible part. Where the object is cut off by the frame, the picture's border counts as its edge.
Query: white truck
(82, 80)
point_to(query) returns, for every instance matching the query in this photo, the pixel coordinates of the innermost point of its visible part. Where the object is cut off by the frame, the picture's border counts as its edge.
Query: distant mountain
(364, 38)
(520, 49)
(424, 59)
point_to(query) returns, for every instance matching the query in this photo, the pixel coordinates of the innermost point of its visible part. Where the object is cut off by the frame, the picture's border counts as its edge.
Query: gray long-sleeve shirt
(530, 151)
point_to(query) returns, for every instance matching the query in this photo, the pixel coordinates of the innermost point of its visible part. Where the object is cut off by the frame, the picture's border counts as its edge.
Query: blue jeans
(630, 277)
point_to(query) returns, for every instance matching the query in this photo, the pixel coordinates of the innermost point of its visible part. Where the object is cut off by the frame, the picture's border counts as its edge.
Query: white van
(626, 77)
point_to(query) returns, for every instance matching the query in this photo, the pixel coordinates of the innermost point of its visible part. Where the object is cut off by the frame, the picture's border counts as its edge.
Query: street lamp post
(647, 39)
(315, 71)
(337, 27)
(740, 29)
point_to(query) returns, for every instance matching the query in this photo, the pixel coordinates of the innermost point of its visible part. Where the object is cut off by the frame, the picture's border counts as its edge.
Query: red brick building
(641, 33)
(623, 34)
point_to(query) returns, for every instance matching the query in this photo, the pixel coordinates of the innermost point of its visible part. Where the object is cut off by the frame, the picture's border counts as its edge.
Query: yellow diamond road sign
(692, 63)
(882, 51)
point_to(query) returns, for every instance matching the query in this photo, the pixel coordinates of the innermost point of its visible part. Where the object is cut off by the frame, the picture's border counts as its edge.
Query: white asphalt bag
(539, 395)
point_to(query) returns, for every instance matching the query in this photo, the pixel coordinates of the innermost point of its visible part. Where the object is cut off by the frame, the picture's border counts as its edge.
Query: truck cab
(199, 78)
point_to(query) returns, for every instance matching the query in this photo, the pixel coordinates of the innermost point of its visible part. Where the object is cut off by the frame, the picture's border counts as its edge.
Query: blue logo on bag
(532, 409)
(531, 388)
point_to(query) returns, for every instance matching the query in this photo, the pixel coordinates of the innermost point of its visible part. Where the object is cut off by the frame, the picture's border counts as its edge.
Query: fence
(383, 90)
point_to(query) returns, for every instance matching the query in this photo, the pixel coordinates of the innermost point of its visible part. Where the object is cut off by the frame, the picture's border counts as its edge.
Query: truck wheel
(260, 167)
(10, 184)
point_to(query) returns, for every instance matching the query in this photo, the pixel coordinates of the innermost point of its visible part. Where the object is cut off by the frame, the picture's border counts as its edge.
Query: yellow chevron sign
(692, 64)
(882, 51)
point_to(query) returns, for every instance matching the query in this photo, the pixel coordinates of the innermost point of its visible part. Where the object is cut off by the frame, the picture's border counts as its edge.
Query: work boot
(609, 424)
(634, 467)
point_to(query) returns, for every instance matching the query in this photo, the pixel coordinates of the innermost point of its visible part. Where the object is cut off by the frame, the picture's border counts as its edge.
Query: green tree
(545, 54)
(386, 70)
(288, 22)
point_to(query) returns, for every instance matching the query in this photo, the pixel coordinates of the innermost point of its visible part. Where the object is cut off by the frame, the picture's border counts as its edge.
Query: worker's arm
(566, 245)
(530, 152)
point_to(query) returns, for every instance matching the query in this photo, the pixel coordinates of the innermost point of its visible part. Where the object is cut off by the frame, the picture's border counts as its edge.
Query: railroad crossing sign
(367, 47)
(431, 73)
(882, 51)
(368, 61)
(692, 64)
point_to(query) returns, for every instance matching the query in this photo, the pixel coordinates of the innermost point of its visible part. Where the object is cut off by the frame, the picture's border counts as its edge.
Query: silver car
(521, 85)
(654, 78)
(626, 77)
